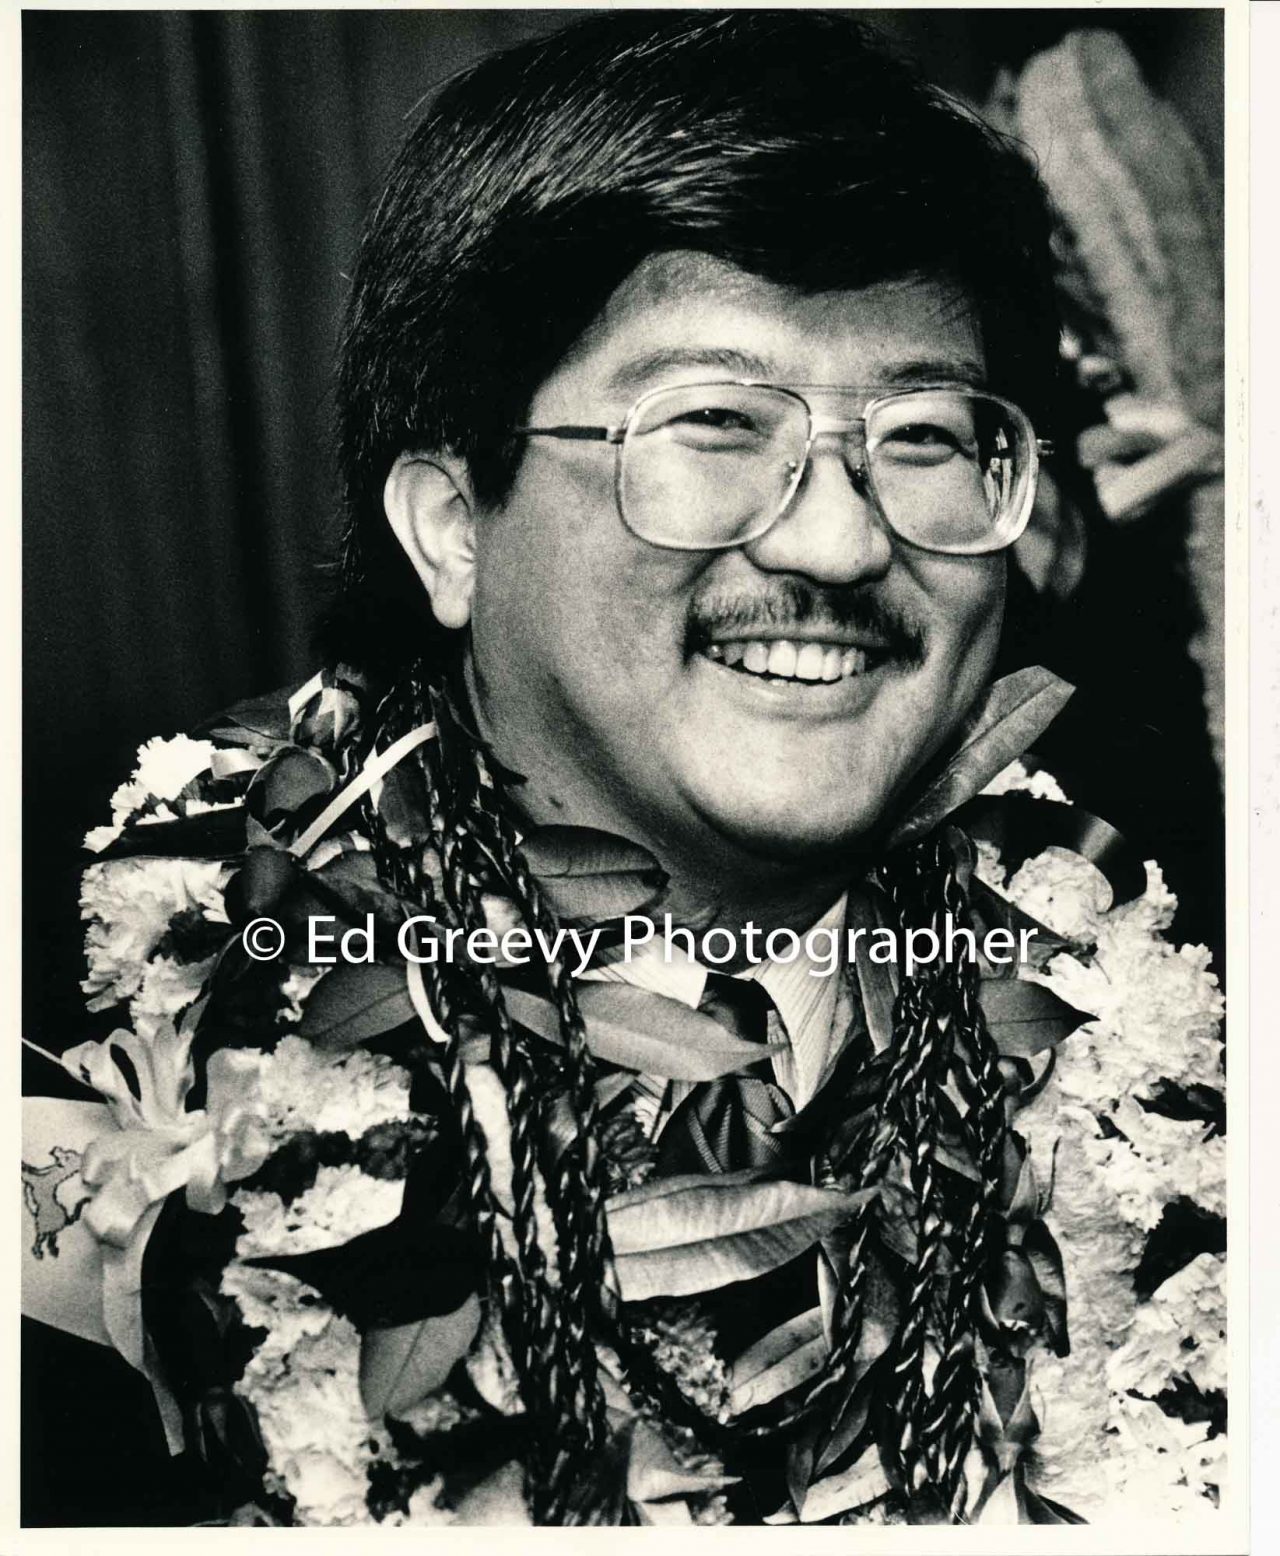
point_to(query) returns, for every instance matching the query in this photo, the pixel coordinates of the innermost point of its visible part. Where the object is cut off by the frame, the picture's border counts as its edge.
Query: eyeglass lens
(714, 465)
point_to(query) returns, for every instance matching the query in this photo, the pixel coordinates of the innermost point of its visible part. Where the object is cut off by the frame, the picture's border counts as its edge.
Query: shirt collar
(804, 993)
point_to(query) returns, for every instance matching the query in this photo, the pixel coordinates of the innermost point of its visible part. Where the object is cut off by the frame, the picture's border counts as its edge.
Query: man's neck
(767, 899)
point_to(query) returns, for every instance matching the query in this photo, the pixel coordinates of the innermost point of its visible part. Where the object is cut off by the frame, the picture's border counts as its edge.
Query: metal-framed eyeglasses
(705, 467)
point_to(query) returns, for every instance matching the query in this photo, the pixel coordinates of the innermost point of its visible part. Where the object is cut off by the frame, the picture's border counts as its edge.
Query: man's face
(599, 662)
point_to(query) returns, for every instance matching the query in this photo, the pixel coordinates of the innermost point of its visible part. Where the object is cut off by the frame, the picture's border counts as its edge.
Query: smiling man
(689, 404)
(730, 622)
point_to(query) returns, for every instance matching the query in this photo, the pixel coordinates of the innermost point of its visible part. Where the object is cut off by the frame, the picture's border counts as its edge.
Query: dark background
(193, 185)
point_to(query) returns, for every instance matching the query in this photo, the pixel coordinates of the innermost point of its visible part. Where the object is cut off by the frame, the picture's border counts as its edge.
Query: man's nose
(832, 530)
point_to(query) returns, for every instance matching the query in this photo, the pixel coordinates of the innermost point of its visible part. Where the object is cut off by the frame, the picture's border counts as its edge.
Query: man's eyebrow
(745, 364)
(933, 370)
(727, 359)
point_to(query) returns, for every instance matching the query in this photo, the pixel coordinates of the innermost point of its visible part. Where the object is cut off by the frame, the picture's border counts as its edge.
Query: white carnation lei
(1103, 1451)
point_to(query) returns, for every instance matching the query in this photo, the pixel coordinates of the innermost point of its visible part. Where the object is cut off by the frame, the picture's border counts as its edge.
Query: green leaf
(642, 1031)
(1041, 1249)
(286, 782)
(401, 1365)
(330, 717)
(1004, 1380)
(863, 1482)
(1024, 1202)
(568, 851)
(1016, 1303)
(213, 834)
(991, 911)
(1012, 1163)
(262, 881)
(1012, 714)
(395, 1275)
(260, 722)
(591, 877)
(956, 1157)
(498, 1499)
(799, 1466)
(351, 884)
(847, 1422)
(786, 1357)
(654, 1474)
(1025, 1018)
(403, 805)
(846, 1436)
(952, 1149)
(840, 1109)
(610, 1084)
(1002, 1505)
(1043, 1510)
(1023, 1426)
(355, 1002)
(694, 1232)
(896, 1225)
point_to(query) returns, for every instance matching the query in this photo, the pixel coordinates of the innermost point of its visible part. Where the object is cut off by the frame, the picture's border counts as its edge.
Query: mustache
(790, 603)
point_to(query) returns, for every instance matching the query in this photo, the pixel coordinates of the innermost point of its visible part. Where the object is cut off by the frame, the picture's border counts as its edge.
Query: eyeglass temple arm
(580, 434)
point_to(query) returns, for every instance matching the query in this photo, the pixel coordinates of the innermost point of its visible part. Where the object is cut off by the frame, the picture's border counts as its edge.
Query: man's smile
(800, 636)
(789, 660)
(728, 673)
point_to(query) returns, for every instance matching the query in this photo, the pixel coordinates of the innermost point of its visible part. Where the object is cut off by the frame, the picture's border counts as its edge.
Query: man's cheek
(966, 629)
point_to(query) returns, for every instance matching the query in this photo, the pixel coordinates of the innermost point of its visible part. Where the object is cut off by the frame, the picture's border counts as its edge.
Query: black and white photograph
(625, 763)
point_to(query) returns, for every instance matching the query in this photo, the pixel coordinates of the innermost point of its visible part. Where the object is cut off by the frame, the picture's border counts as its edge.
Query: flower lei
(331, 1354)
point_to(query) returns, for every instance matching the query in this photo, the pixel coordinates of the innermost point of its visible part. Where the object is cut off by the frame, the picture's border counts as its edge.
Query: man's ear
(429, 507)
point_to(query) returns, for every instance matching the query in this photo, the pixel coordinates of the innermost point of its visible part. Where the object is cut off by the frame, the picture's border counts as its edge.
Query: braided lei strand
(333, 1373)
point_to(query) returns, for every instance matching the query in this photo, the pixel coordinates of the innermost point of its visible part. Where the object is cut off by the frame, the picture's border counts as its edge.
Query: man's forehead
(678, 273)
(685, 309)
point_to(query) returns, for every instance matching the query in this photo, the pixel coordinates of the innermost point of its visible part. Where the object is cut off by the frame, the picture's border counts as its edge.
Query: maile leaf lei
(418, 1309)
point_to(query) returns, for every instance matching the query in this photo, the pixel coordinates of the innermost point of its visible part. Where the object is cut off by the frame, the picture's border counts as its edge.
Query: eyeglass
(703, 467)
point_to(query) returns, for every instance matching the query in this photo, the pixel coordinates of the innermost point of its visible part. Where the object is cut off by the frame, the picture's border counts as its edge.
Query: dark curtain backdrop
(193, 186)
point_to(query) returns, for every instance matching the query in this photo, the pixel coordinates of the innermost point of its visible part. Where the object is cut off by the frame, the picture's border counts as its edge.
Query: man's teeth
(791, 661)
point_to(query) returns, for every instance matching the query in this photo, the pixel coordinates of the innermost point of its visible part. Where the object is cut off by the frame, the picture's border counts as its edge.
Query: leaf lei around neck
(345, 1252)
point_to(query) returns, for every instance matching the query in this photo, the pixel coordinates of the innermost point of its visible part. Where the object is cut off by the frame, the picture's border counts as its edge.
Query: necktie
(726, 1124)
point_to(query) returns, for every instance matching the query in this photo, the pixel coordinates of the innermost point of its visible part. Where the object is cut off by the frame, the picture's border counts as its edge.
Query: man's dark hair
(791, 144)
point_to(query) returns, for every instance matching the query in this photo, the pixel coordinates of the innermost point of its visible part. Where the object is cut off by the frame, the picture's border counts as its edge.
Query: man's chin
(801, 832)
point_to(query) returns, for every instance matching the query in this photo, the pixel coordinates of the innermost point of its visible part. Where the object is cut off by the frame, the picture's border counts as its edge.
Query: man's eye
(927, 441)
(715, 418)
(926, 433)
(715, 429)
